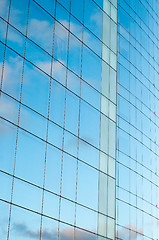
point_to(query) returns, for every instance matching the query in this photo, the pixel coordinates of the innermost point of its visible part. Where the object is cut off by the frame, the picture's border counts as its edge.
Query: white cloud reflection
(21, 229)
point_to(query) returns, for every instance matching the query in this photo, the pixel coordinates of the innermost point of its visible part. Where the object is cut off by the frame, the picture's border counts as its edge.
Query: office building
(79, 119)
(137, 121)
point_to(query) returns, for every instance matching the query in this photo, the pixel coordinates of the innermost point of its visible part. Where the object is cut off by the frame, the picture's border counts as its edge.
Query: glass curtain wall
(107, 162)
(138, 120)
(57, 119)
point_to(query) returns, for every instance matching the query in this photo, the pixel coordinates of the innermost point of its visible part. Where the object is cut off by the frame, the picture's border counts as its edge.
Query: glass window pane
(103, 198)
(88, 154)
(30, 158)
(106, 28)
(73, 82)
(31, 197)
(15, 40)
(18, 14)
(77, 9)
(55, 135)
(60, 43)
(102, 225)
(90, 95)
(74, 59)
(67, 211)
(38, 57)
(12, 74)
(24, 224)
(9, 108)
(4, 9)
(69, 176)
(4, 216)
(5, 190)
(35, 89)
(112, 138)
(72, 113)
(40, 27)
(59, 71)
(57, 103)
(51, 205)
(87, 186)
(111, 198)
(91, 72)
(49, 228)
(7, 141)
(89, 124)
(53, 169)
(93, 18)
(70, 143)
(89, 222)
(33, 122)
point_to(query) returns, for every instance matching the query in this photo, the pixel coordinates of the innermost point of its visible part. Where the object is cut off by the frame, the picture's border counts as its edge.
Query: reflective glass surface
(57, 119)
(137, 169)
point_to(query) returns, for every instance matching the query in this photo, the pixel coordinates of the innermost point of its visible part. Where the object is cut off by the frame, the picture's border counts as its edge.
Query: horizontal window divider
(56, 194)
(40, 138)
(47, 216)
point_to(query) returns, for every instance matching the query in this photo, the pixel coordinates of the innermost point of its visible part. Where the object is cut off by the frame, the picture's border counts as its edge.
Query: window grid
(138, 91)
(16, 144)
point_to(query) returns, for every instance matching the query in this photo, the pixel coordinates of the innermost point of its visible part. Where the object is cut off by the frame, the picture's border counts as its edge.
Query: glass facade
(137, 182)
(79, 119)
(58, 61)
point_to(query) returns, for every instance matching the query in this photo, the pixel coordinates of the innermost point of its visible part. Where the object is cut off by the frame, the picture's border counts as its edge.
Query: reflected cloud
(96, 18)
(11, 76)
(3, 7)
(65, 234)
(5, 129)
(46, 66)
(7, 108)
(124, 233)
(22, 229)
(40, 31)
(12, 35)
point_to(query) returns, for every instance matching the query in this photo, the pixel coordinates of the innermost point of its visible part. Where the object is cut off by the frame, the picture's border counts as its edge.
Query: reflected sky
(54, 82)
(137, 121)
(74, 108)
